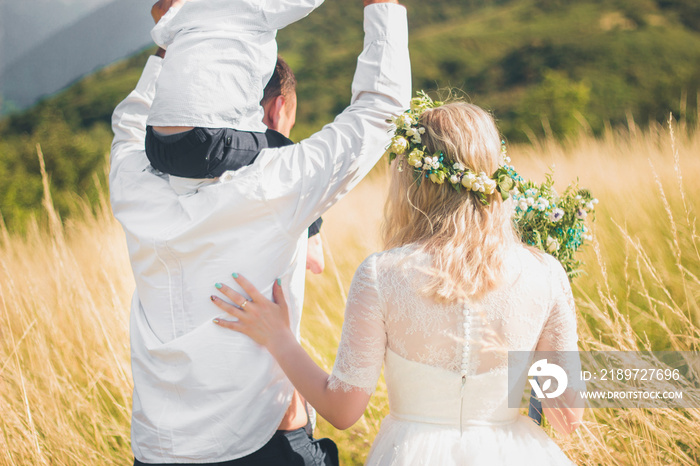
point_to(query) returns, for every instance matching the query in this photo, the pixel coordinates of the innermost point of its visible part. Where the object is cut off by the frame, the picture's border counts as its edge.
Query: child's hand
(162, 6)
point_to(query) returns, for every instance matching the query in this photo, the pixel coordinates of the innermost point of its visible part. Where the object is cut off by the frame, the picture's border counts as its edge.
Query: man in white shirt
(203, 395)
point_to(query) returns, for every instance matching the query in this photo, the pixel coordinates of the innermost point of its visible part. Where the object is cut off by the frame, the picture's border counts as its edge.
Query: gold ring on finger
(243, 304)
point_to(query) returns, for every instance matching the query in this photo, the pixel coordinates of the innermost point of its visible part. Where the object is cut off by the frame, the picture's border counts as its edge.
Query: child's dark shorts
(203, 152)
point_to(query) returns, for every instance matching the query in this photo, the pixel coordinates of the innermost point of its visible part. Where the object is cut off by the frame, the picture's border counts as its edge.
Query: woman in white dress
(440, 308)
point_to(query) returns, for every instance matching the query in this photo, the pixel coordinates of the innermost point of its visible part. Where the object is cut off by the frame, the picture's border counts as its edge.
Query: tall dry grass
(65, 382)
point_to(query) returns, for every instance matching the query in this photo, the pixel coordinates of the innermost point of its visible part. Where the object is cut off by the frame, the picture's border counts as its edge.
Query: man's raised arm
(129, 120)
(304, 180)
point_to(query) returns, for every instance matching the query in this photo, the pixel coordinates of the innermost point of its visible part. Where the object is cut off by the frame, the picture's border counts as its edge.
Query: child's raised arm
(281, 13)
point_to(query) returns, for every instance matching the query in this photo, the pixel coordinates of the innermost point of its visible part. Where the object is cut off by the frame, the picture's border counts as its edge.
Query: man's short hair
(283, 82)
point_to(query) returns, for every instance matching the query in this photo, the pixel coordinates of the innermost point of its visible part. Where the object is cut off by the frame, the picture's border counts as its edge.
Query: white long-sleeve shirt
(201, 392)
(221, 54)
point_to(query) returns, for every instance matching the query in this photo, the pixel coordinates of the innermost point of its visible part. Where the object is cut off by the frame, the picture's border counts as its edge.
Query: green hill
(537, 64)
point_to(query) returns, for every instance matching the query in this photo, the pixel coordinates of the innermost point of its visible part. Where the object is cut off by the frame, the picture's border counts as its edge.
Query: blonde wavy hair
(466, 239)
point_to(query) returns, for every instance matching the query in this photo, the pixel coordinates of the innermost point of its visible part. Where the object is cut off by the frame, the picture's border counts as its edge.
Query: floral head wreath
(408, 146)
(555, 223)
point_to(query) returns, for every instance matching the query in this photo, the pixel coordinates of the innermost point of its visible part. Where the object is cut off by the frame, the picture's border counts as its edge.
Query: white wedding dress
(446, 365)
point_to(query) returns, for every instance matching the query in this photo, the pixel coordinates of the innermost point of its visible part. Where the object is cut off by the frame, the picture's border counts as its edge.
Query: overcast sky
(24, 23)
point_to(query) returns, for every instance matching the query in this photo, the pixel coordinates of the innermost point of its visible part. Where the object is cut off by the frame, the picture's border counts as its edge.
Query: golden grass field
(65, 385)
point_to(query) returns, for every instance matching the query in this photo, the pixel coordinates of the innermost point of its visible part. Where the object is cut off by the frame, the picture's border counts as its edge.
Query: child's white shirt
(221, 55)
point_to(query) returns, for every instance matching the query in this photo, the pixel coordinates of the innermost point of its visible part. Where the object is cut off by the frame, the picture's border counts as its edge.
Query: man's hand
(162, 6)
(370, 2)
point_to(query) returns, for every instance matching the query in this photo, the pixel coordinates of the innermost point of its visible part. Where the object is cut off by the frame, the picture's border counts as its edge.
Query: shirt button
(228, 141)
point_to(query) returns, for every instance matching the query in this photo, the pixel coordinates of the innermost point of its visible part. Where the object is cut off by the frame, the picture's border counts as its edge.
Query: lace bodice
(533, 309)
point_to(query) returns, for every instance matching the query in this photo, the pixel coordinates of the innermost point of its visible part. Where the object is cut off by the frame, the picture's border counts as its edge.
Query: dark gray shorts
(292, 448)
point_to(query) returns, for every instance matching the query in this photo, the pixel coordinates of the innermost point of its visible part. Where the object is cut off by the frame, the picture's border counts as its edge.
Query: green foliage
(556, 103)
(73, 130)
(634, 56)
(74, 160)
(687, 11)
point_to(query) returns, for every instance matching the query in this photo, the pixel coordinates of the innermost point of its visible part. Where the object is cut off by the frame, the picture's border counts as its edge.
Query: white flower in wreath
(437, 177)
(418, 104)
(581, 214)
(458, 166)
(399, 145)
(468, 180)
(489, 186)
(454, 179)
(415, 158)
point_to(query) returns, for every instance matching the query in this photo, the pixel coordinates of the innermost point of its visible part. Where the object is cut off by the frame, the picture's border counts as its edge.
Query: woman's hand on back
(262, 320)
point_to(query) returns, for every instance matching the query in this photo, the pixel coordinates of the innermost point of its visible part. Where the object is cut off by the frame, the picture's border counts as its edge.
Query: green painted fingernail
(218, 286)
(234, 275)
(279, 282)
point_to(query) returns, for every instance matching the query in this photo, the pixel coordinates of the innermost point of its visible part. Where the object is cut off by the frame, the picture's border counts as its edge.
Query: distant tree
(554, 104)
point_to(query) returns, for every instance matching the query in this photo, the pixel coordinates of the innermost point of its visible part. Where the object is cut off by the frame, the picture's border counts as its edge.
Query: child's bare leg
(168, 130)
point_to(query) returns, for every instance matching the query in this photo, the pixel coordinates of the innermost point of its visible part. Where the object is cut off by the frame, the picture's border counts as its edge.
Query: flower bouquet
(551, 222)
